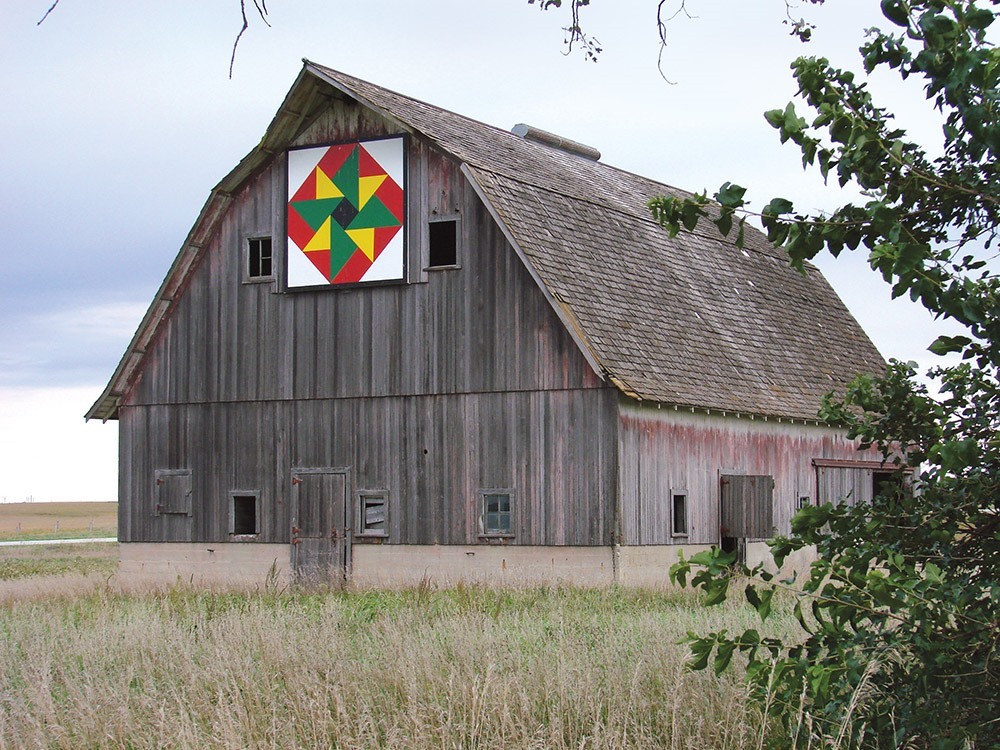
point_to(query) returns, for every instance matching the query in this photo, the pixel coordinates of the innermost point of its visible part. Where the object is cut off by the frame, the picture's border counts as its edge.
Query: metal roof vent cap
(537, 135)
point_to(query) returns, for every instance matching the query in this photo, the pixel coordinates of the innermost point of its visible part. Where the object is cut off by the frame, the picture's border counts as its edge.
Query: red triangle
(321, 259)
(298, 231)
(391, 196)
(367, 166)
(307, 190)
(383, 235)
(353, 269)
(334, 158)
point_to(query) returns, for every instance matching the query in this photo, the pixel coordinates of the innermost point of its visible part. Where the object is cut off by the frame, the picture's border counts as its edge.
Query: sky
(119, 118)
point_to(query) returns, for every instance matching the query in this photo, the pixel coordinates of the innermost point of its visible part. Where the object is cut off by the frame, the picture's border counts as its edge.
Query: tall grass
(458, 668)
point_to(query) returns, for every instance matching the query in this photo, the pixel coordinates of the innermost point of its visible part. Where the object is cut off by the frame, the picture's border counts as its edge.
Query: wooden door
(746, 512)
(320, 537)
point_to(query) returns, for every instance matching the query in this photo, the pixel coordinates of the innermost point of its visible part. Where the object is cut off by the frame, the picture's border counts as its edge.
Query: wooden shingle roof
(690, 321)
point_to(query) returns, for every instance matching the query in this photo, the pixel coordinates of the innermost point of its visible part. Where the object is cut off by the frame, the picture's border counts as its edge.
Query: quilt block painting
(346, 212)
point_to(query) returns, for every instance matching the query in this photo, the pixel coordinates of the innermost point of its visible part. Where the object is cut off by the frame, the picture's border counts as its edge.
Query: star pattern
(345, 212)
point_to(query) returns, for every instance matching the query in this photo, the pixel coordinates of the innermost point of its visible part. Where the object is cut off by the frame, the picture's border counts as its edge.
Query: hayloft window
(886, 483)
(443, 244)
(373, 512)
(496, 515)
(260, 262)
(679, 513)
(244, 510)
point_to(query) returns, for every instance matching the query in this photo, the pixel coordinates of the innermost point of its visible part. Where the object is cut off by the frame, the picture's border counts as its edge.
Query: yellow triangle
(364, 239)
(320, 240)
(325, 187)
(367, 187)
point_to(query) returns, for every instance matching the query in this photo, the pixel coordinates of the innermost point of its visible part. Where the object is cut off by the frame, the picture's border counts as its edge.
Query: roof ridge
(481, 163)
(363, 82)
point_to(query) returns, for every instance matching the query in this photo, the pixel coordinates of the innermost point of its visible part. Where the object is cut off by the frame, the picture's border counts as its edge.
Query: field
(24, 521)
(92, 661)
(457, 668)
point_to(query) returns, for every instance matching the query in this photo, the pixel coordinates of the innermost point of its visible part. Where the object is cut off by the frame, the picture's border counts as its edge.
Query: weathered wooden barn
(399, 343)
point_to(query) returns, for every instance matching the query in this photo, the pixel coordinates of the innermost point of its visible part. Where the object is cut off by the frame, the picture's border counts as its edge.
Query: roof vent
(538, 135)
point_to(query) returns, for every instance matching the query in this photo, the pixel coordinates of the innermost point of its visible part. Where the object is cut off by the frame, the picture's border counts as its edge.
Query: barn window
(373, 512)
(259, 258)
(886, 483)
(244, 512)
(173, 492)
(443, 244)
(679, 513)
(496, 514)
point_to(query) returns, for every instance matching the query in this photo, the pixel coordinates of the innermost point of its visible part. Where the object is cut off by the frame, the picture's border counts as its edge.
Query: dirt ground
(49, 518)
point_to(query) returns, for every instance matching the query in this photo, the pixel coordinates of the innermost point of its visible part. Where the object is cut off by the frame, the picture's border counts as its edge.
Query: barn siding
(662, 450)
(432, 453)
(458, 381)
(840, 485)
(485, 327)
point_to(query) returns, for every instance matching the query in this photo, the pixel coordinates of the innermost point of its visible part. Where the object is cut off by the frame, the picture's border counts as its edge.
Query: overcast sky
(118, 122)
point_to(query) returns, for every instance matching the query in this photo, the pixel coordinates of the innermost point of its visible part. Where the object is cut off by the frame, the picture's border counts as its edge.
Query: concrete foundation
(406, 565)
(401, 565)
(649, 565)
(206, 563)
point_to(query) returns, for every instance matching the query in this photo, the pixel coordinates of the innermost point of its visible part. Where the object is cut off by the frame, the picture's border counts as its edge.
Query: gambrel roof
(691, 321)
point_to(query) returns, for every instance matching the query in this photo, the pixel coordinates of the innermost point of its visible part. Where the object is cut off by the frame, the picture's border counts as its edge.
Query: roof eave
(289, 117)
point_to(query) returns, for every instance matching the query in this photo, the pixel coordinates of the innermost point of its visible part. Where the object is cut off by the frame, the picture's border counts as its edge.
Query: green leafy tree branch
(900, 612)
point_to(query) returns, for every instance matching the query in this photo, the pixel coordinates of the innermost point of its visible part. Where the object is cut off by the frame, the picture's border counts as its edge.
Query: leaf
(723, 656)
(778, 207)
(948, 344)
(724, 222)
(774, 117)
(730, 195)
(979, 18)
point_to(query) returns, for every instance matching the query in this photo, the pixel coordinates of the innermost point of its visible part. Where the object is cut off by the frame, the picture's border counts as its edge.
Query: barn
(402, 345)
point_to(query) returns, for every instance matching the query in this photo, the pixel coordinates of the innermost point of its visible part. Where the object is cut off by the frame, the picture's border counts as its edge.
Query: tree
(901, 611)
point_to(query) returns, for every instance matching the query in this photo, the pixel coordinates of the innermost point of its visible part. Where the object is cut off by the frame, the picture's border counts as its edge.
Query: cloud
(71, 346)
(48, 452)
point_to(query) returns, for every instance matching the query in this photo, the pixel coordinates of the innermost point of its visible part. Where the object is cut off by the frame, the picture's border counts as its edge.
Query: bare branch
(261, 7)
(661, 29)
(51, 8)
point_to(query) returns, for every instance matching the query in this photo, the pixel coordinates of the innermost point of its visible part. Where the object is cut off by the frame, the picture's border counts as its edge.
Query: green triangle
(374, 216)
(314, 213)
(346, 178)
(342, 249)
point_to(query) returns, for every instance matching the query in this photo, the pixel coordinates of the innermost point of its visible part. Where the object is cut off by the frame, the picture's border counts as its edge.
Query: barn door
(747, 511)
(320, 537)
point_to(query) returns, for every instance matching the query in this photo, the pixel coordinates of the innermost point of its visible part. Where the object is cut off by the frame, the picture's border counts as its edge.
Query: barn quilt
(346, 213)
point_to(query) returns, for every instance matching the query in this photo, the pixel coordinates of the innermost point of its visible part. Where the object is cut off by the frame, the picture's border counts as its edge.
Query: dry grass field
(57, 520)
(89, 660)
(34, 568)
(466, 667)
